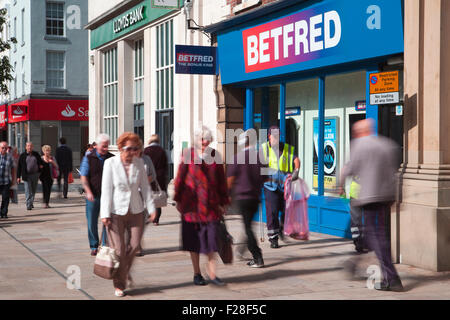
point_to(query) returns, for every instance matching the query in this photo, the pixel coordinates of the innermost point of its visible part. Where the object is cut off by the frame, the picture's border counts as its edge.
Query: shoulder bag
(224, 242)
(159, 197)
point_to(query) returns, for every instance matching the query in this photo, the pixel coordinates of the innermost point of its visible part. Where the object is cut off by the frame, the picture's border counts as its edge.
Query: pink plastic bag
(296, 194)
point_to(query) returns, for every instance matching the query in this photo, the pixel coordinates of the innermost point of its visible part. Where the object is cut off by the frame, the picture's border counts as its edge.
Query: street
(44, 248)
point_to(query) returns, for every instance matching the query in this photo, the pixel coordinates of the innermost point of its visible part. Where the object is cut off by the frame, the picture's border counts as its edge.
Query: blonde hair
(46, 147)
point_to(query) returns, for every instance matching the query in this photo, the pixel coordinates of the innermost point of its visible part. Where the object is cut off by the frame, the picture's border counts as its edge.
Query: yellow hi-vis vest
(354, 190)
(285, 163)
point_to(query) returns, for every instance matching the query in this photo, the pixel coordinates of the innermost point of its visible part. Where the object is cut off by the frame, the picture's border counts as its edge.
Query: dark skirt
(199, 237)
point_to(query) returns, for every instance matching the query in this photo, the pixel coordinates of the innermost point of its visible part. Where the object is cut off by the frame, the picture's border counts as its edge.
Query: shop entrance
(164, 128)
(49, 134)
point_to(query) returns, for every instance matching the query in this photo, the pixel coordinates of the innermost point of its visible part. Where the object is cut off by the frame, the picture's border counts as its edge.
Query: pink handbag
(296, 194)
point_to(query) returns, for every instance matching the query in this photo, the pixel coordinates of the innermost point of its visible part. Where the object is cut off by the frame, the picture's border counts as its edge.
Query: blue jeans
(92, 213)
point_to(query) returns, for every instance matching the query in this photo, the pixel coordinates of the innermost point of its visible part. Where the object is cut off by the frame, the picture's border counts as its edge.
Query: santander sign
(303, 36)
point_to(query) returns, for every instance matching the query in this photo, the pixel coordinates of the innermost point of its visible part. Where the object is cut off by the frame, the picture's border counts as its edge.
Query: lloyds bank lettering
(128, 19)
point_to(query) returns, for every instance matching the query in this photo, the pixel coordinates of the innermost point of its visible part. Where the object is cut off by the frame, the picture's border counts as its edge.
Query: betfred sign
(195, 60)
(297, 38)
(49, 109)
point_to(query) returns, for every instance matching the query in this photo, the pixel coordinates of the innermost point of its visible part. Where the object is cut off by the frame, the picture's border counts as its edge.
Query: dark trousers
(356, 224)
(64, 174)
(274, 204)
(374, 217)
(4, 190)
(46, 190)
(248, 208)
(158, 215)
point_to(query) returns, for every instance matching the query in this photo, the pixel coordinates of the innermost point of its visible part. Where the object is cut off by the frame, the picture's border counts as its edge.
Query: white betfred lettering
(275, 34)
(332, 16)
(287, 40)
(301, 38)
(314, 33)
(252, 50)
(263, 46)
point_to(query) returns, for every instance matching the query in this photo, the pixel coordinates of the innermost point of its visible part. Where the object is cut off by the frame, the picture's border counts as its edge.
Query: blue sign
(325, 34)
(195, 60)
(360, 105)
(330, 153)
(292, 111)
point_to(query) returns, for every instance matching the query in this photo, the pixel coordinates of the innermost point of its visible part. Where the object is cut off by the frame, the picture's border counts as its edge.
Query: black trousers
(65, 176)
(47, 189)
(248, 208)
(158, 215)
(4, 190)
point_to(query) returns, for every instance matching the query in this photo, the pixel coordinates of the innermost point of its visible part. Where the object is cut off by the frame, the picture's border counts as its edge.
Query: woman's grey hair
(102, 137)
(203, 133)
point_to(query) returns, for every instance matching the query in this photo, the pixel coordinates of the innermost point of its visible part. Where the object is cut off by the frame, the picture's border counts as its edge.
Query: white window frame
(15, 33)
(165, 65)
(110, 109)
(47, 69)
(23, 26)
(63, 19)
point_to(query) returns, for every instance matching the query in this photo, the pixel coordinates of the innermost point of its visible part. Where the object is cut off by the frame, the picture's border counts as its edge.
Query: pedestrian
(7, 172)
(29, 169)
(13, 189)
(281, 160)
(151, 176)
(374, 159)
(201, 195)
(161, 164)
(91, 171)
(125, 195)
(64, 159)
(50, 171)
(245, 182)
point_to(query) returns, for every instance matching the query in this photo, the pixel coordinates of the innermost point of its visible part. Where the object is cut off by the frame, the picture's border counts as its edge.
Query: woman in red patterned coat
(201, 195)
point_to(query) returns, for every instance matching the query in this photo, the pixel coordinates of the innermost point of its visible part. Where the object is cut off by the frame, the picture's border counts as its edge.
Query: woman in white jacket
(125, 196)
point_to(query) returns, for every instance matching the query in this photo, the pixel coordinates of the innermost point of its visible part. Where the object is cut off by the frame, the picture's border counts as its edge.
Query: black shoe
(217, 282)
(199, 280)
(29, 208)
(32, 206)
(256, 263)
(274, 244)
(394, 285)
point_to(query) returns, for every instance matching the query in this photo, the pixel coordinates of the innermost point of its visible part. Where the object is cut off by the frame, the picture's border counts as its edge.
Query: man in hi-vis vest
(280, 160)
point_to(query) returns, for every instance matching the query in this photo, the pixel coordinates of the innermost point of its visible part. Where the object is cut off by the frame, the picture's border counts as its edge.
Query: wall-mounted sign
(330, 153)
(3, 123)
(399, 110)
(128, 19)
(384, 88)
(195, 59)
(360, 105)
(169, 4)
(49, 109)
(310, 35)
(292, 111)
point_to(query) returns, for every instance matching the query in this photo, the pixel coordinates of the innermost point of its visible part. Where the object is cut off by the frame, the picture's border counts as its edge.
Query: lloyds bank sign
(128, 19)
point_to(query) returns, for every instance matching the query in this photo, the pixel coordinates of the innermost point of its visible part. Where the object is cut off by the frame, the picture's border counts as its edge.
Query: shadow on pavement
(271, 275)
(160, 250)
(9, 223)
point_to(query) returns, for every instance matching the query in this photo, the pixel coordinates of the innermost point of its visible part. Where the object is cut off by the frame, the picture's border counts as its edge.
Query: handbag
(224, 242)
(70, 178)
(106, 262)
(159, 197)
(54, 171)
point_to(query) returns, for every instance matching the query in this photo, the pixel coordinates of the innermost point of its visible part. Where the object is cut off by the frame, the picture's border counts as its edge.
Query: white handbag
(159, 197)
(106, 262)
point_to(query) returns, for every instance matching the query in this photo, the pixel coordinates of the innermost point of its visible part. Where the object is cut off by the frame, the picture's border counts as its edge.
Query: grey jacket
(375, 160)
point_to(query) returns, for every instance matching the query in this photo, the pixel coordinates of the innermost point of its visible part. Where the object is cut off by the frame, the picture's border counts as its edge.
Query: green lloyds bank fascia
(105, 33)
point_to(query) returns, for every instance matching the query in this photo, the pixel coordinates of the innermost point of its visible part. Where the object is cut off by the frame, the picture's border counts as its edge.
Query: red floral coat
(200, 188)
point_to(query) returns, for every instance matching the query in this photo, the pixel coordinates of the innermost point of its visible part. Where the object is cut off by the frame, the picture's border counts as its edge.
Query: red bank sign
(49, 109)
(3, 117)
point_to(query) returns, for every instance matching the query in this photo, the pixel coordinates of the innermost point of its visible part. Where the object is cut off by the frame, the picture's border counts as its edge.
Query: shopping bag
(224, 242)
(296, 194)
(106, 262)
(159, 197)
(70, 178)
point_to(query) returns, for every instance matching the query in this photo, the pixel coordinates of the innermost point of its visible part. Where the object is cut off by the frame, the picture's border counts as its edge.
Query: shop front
(44, 121)
(306, 66)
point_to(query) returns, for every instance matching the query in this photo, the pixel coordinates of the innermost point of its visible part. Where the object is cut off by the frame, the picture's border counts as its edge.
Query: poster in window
(330, 153)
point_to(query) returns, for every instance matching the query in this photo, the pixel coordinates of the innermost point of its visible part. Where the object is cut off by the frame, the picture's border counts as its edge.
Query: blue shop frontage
(305, 66)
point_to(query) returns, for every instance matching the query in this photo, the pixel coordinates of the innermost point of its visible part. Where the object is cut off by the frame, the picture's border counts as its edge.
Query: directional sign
(384, 87)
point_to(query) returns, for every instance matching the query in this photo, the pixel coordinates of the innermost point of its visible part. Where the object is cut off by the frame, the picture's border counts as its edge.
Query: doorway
(164, 128)
(49, 134)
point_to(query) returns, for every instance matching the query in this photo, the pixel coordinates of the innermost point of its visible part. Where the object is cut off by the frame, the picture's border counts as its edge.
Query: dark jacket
(95, 174)
(22, 171)
(159, 159)
(64, 158)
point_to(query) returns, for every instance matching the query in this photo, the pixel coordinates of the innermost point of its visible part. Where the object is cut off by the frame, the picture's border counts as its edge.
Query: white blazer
(121, 193)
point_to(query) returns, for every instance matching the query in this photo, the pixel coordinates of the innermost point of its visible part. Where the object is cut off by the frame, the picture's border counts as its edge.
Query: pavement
(45, 256)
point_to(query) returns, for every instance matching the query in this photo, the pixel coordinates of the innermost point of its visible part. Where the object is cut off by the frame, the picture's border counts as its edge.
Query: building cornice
(113, 12)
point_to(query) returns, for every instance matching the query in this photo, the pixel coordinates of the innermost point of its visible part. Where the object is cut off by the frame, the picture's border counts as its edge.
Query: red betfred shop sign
(49, 109)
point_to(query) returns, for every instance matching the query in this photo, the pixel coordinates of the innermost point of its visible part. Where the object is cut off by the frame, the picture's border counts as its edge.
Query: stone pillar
(420, 228)
(125, 70)
(148, 114)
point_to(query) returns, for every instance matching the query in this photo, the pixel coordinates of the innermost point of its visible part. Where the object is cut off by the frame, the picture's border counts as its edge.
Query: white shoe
(119, 293)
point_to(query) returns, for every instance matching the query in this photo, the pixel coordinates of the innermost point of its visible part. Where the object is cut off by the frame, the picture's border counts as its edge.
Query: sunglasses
(128, 148)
